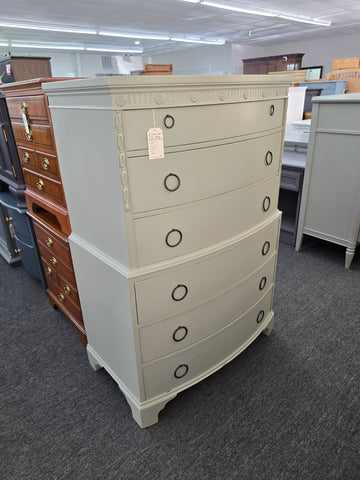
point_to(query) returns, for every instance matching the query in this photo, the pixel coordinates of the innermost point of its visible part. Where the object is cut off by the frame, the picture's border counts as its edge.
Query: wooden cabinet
(277, 63)
(174, 256)
(330, 206)
(32, 126)
(16, 69)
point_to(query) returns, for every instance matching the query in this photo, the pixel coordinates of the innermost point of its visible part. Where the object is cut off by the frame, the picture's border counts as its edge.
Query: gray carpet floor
(286, 408)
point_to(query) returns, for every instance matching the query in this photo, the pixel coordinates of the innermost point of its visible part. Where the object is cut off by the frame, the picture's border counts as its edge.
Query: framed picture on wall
(313, 73)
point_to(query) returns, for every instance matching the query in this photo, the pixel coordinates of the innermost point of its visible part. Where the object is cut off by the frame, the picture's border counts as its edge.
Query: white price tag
(155, 143)
(25, 120)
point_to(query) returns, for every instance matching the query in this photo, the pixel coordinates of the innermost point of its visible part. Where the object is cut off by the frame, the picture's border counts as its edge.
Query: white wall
(204, 60)
(79, 64)
(317, 52)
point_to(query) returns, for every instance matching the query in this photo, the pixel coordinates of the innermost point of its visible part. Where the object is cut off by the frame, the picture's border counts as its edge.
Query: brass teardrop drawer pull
(67, 289)
(26, 157)
(49, 242)
(48, 270)
(40, 184)
(61, 297)
(53, 261)
(23, 108)
(45, 164)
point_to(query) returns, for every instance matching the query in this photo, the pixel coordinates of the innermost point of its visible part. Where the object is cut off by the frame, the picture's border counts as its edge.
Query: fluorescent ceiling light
(264, 13)
(119, 50)
(233, 8)
(48, 28)
(50, 47)
(192, 40)
(4, 44)
(134, 35)
(299, 18)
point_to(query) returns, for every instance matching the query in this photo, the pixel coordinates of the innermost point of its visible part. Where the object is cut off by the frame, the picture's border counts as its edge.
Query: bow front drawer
(168, 336)
(189, 125)
(177, 291)
(167, 235)
(195, 174)
(204, 357)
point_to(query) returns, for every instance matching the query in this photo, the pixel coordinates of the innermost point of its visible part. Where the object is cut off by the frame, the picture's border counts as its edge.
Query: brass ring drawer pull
(169, 179)
(45, 164)
(260, 316)
(40, 184)
(169, 121)
(262, 283)
(265, 248)
(172, 233)
(266, 203)
(48, 270)
(181, 291)
(29, 137)
(49, 242)
(268, 158)
(181, 371)
(179, 334)
(67, 289)
(53, 261)
(61, 297)
(26, 157)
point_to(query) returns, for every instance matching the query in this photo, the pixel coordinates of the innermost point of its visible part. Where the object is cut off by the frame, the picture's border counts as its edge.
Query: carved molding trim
(170, 97)
(122, 158)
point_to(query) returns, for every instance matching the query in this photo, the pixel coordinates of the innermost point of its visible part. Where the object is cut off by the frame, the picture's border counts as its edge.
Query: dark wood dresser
(32, 127)
(16, 69)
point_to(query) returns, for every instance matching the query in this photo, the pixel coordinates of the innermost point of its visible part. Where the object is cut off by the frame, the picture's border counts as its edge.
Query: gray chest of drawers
(330, 205)
(175, 257)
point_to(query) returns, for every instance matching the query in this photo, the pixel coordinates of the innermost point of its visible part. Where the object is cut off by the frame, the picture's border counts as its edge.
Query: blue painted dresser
(22, 234)
(330, 87)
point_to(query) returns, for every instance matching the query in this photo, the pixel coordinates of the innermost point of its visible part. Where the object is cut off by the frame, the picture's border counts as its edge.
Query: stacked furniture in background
(176, 260)
(17, 238)
(32, 127)
(157, 69)
(16, 69)
(347, 69)
(330, 206)
(329, 87)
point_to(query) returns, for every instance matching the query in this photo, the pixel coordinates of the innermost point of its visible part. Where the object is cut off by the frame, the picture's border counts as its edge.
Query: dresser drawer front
(201, 173)
(36, 108)
(192, 125)
(50, 272)
(55, 246)
(69, 290)
(44, 163)
(45, 186)
(159, 376)
(180, 290)
(168, 235)
(64, 299)
(59, 265)
(170, 335)
(41, 136)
